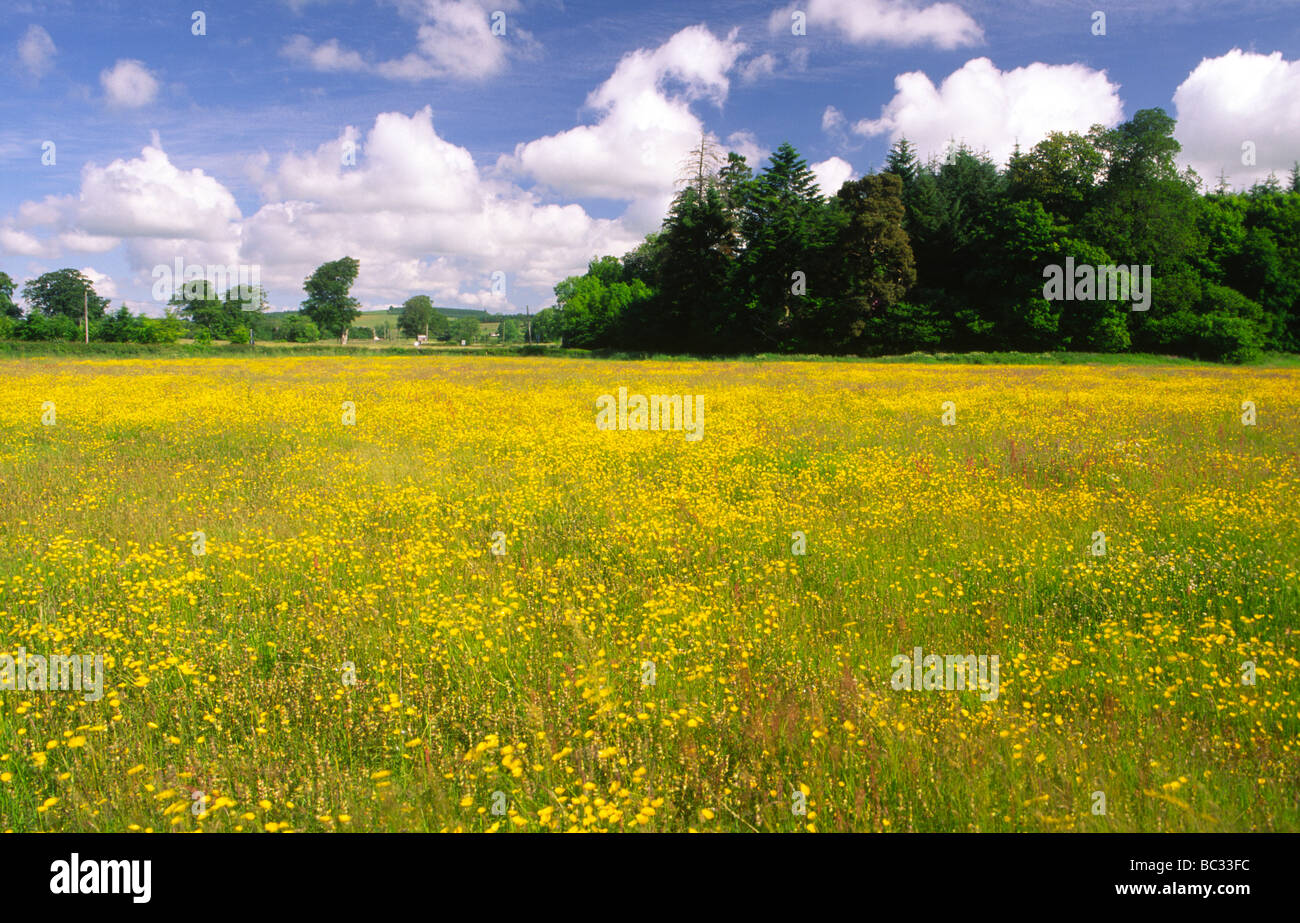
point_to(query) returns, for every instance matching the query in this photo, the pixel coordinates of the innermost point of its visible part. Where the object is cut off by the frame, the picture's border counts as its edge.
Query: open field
(363, 552)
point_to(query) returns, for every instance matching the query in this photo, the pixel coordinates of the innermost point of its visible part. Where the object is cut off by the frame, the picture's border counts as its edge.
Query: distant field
(651, 651)
(366, 317)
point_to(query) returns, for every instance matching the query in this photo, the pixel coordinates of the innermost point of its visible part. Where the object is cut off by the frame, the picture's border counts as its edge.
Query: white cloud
(47, 211)
(756, 68)
(415, 210)
(419, 215)
(644, 132)
(992, 110)
(21, 243)
(1236, 98)
(102, 283)
(36, 51)
(745, 143)
(454, 38)
(831, 174)
(885, 22)
(403, 167)
(128, 84)
(82, 242)
(157, 210)
(148, 196)
(327, 56)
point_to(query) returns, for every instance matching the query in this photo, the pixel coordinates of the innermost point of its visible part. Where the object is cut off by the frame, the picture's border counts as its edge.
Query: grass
(402, 347)
(333, 548)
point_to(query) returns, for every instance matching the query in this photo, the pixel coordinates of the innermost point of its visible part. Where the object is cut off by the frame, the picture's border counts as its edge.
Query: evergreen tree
(873, 253)
(783, 224)
(696, 309)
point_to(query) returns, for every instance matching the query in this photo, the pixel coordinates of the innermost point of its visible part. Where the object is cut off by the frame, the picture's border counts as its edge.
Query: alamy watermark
(103, 876)
(658, 412)
(951, 673)
(1086, 282)
(191, 281)
(58, 672)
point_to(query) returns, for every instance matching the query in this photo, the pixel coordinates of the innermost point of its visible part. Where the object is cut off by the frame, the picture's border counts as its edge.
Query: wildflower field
(342, 648)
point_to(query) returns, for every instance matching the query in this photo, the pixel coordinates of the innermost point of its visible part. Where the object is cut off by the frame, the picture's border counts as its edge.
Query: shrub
(40, 327)
(300, 329)
(1228, 338)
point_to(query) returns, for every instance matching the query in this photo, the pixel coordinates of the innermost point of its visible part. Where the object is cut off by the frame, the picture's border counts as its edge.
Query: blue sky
(448, 156)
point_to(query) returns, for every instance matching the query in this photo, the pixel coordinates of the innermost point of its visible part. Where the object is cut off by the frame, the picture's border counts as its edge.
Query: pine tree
(735, 182)
(783, 224)
(789, 176)
(902, 162)
(695, 273)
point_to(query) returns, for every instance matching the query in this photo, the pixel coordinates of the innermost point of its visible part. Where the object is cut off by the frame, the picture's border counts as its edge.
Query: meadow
(656, 649)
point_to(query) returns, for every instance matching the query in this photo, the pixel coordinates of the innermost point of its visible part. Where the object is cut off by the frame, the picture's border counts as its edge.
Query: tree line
(60, 301)
(952, 254)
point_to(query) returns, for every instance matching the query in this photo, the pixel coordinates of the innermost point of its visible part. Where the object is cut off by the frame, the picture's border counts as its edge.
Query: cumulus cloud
(157, 210)
(645, 129)
(992, 110)
(454, 38)
(128, 84)
(885, 22)
(418, 213)
(414, 209)
(148, 196)
(404, 167)
(22, 243)
(1233, 99)
(831, 174)
(36, 51)
(81, 242)
(411, 206)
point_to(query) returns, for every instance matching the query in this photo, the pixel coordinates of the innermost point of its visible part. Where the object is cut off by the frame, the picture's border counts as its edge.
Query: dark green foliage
(873, 269)
(417, 316)
(39, 326)
(510, 331)
(465, 328)
(953, 254)
(298, 328)
(124, 327)
(63, 293)
(8, 307)
(329, 304)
